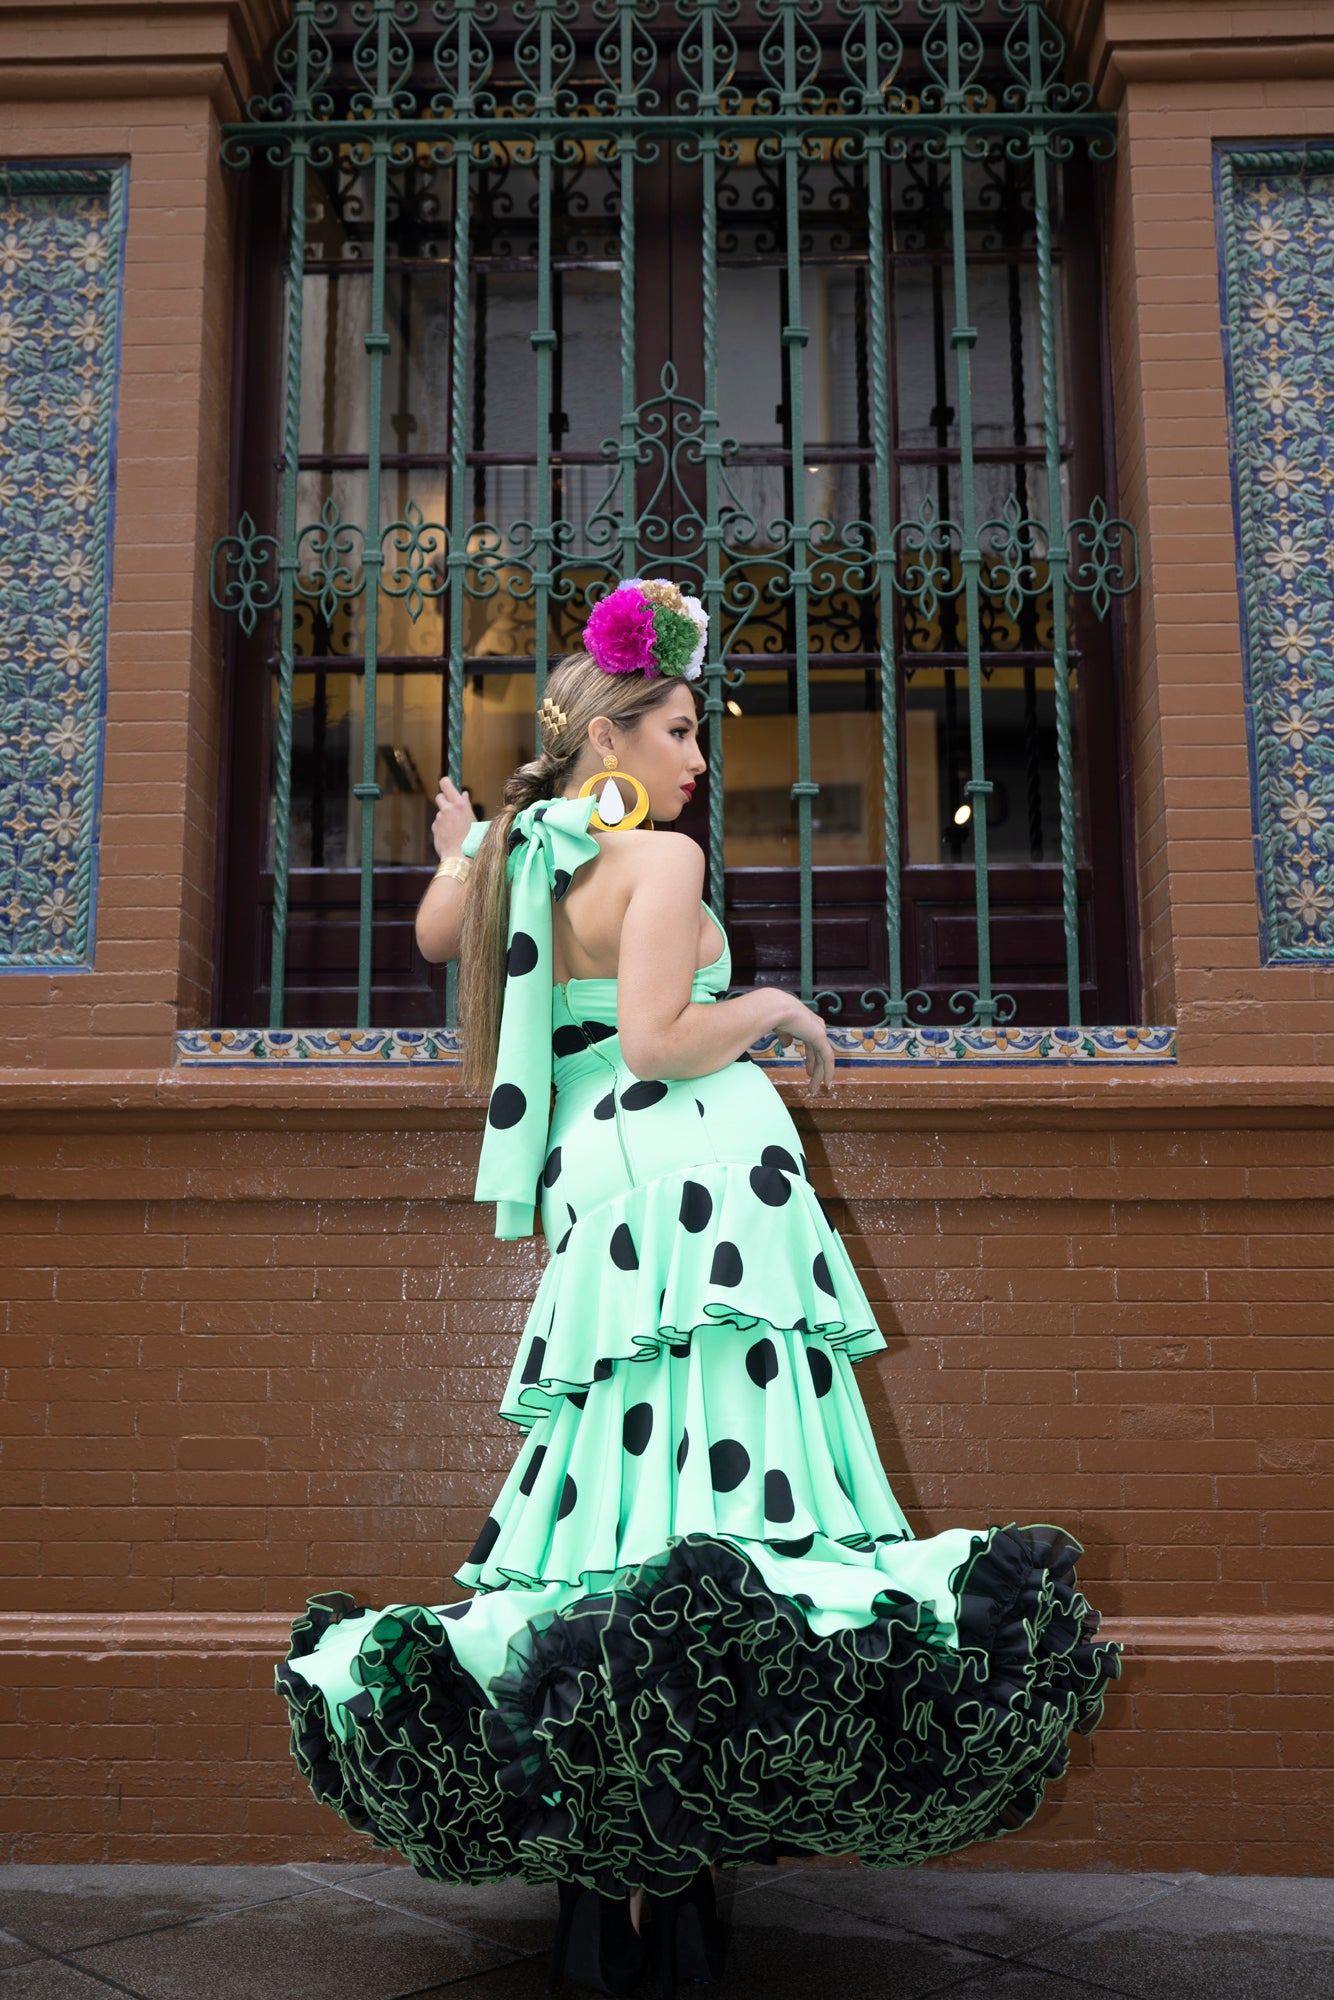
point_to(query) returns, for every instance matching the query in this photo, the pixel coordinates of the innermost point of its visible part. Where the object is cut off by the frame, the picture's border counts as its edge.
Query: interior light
(962, 815)
(734, 708)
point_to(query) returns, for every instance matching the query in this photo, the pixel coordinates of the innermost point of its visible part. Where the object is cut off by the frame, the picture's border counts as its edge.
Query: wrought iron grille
(812, 131)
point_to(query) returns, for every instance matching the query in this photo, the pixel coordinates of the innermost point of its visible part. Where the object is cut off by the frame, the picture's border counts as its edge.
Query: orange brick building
(254, 1329)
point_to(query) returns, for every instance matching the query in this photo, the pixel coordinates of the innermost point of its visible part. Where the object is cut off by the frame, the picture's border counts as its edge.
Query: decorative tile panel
(61, 260)
(874, 1048)
(1276, 237)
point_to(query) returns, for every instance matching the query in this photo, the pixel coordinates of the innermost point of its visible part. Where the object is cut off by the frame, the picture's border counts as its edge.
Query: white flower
(89, 252)
(13, 254)
(1275, 394)
(58, 910)
(1271, 313)
(699, 617)
(1287, 557)
(1293, 643)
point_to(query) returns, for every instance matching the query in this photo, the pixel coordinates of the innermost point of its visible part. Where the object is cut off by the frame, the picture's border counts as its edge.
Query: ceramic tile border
(917, 1048)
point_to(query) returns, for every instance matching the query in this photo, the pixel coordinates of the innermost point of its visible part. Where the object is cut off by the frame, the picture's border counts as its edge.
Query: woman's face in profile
(664, 754)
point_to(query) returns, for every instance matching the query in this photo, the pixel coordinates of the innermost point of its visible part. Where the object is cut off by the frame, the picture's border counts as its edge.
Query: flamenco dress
(701, 1629)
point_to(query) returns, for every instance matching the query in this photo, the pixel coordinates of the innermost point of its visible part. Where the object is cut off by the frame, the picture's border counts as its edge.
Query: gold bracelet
(458, 865)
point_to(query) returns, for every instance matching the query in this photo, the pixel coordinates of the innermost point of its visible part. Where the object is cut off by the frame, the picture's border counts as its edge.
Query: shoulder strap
(547, 843)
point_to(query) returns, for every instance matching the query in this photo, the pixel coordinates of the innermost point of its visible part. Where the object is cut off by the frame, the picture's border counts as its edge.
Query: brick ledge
(266, 1633)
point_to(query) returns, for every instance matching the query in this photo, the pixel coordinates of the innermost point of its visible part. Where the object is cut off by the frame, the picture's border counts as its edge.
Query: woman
(703, 1632)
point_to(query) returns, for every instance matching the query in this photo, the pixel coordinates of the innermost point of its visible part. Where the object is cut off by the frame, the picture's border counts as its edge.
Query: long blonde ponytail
(578, 687)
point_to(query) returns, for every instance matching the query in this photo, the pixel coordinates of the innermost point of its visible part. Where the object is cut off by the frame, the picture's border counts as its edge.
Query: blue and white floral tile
(61, 256)
(1276, 239)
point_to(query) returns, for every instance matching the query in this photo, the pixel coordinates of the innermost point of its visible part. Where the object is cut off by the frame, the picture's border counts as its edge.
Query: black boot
(687, 1938)
(596, 1943)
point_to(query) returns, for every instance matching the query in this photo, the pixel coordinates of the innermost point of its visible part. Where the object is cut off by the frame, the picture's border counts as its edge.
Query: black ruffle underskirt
(691, 1715)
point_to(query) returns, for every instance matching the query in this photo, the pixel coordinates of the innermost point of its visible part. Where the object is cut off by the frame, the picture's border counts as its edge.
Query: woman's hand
(453, 816)
(796, 1023)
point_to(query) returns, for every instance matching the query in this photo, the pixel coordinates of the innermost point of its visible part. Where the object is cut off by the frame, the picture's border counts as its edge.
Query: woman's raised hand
(453, 816)
(796, 1023)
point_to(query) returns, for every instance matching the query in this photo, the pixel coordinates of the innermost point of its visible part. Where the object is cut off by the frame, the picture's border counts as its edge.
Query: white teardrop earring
(611, 809)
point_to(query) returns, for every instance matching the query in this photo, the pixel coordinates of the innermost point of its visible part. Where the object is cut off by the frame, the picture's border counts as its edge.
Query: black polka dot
(682, 1449)
(729, 1462)
(762, 1363)
(522, 955)
(596, 1031)
(800, 1547)
(532, 1367)
(605, 1106)
(578, 1397)
(696, 1207)
(560, 882)
(517, 837)
(637, 1428)
(805, 1167)
(531, 1470)
(551, 1170)
(602, 1370)
(540, 812)
(778, 1502)
(623, 1253)
(771, 1186)
(566, 1042)
(699, 1107)
(726, 1267)
(486, 1541)
(778, 1156)
(802, 1325)
(820, 1272)
(662, 1299)
(569, 1495)
(822, 1370)
(678, 1348)
(566, 1237)
(507, 1106)
(640, 1095)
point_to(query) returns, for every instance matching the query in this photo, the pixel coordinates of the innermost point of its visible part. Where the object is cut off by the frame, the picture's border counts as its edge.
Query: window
(753, 296)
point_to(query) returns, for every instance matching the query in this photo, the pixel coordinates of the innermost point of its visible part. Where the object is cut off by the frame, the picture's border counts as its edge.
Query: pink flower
(619, 633)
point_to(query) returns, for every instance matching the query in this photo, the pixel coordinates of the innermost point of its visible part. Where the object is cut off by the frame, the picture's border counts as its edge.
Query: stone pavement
(373, 1932)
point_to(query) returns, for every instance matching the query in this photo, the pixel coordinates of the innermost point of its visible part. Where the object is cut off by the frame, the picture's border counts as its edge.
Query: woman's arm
(440, 912)
(663, 1032)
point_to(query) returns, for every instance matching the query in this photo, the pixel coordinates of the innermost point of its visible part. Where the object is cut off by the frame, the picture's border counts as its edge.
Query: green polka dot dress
(701, 1628)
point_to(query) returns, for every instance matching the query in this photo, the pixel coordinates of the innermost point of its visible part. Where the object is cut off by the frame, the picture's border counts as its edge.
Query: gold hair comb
(552, 715)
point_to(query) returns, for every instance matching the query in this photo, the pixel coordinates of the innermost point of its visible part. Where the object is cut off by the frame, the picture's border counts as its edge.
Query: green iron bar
(795, 337)
(627, 449)
(651, 126)
(986, 1007)
(456, 561)
(1058, 554)
(543, 338)
(712, 585)
(896, 1004)
(377, 348)
(288, 557)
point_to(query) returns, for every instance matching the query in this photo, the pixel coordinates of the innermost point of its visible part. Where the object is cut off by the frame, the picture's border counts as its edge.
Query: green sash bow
(547, 842)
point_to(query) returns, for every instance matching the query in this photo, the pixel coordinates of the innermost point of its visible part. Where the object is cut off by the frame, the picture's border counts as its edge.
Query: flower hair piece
(647, 625)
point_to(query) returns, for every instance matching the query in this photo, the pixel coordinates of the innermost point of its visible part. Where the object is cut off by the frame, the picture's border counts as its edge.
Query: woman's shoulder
(646, 855)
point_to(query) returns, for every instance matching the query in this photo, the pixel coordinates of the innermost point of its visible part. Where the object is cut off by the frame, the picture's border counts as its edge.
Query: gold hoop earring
(610, 802)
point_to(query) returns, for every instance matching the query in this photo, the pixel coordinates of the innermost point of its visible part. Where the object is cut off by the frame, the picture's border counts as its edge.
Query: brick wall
(268, 1363)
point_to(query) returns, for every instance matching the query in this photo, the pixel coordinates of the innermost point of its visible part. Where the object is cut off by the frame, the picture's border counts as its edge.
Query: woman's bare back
(586, 922)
